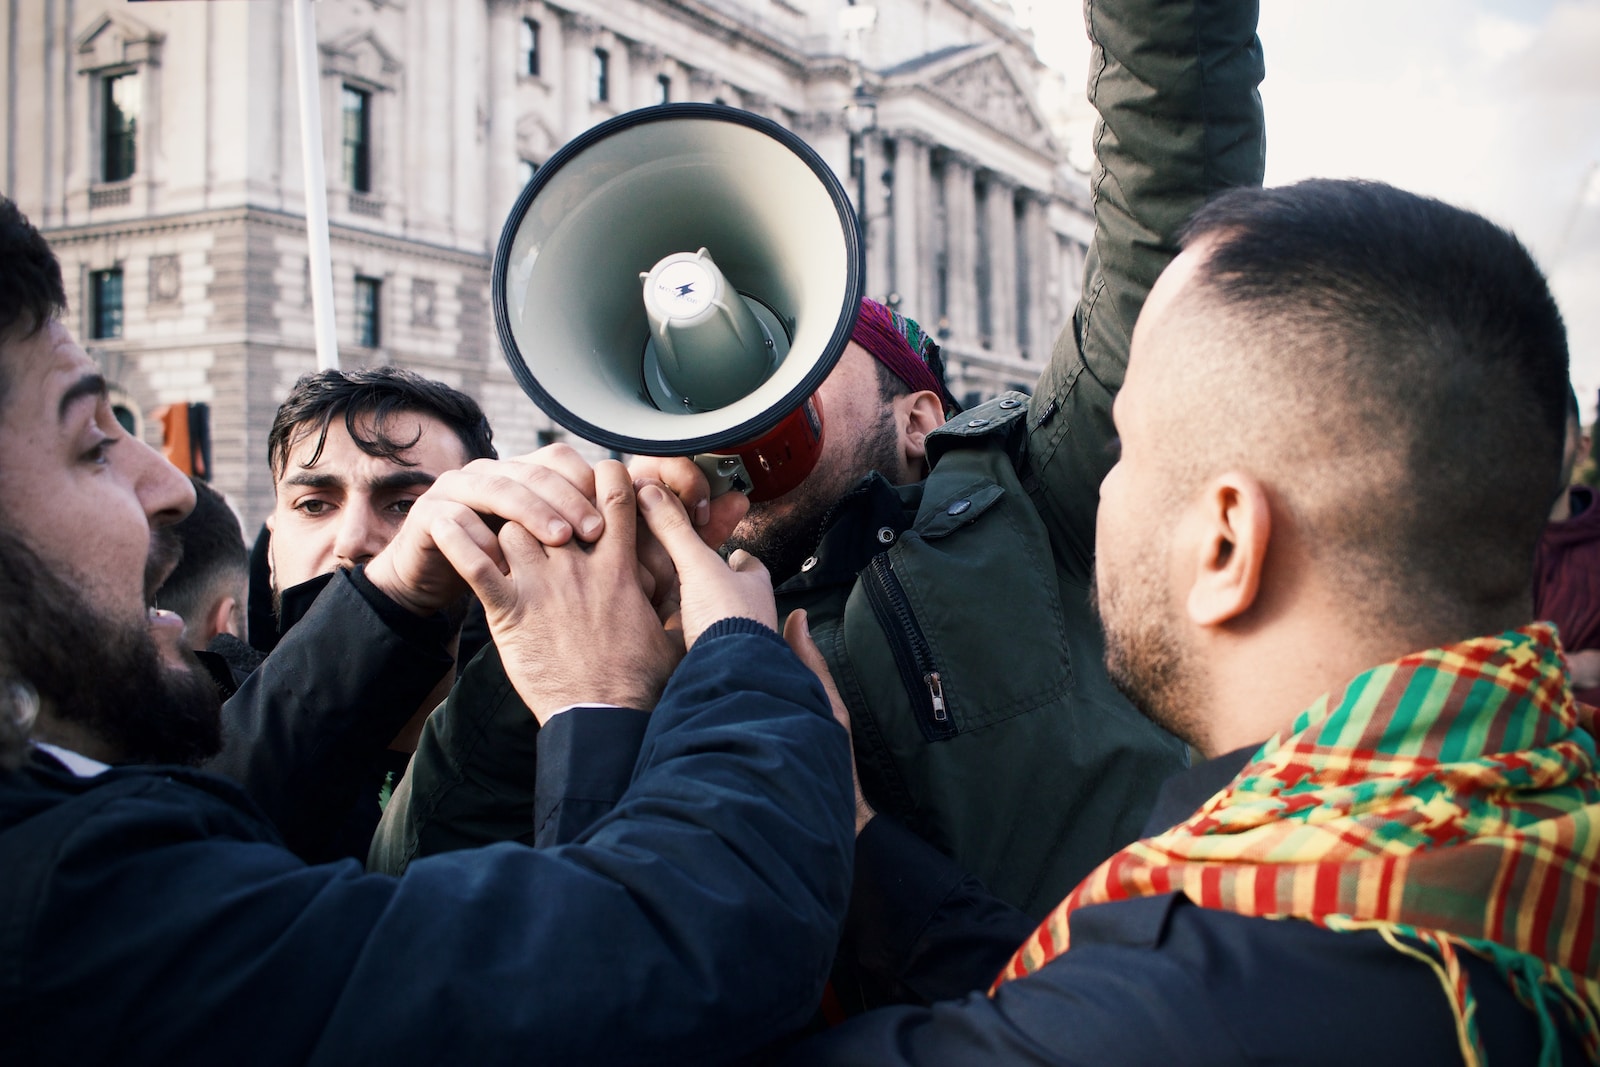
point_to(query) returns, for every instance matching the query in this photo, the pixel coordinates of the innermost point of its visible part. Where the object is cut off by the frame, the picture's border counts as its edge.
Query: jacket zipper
(913, 656)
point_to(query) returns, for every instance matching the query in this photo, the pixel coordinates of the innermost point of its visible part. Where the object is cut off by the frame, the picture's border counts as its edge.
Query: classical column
(912, 217)
(501, 172)
(577, 73)
(644, 65)
(961, 236)
(1002, 208)
(1039, 240)
(622, 96)
(702, 86)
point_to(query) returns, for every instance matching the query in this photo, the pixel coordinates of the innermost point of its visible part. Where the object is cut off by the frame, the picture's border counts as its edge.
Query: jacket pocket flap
(958, 510)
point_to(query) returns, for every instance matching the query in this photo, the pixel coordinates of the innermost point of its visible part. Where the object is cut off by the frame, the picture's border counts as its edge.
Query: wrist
(864, 814)
(381, 575)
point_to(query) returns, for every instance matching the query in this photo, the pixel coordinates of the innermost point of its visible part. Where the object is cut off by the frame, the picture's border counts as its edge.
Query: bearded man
(1341, 430)
(154, 913)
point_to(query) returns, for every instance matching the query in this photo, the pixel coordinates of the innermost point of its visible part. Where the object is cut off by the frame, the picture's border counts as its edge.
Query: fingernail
(559, 528)
(591, 526)
(702, 513)
(650, 495)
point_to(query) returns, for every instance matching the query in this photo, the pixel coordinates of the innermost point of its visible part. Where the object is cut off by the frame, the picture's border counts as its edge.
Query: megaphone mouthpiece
(707, 346)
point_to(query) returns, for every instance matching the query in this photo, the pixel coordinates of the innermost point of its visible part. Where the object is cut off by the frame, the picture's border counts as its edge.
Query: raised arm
(1174, 83)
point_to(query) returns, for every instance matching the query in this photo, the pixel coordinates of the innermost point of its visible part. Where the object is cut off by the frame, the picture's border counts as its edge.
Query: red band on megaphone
(783, 458)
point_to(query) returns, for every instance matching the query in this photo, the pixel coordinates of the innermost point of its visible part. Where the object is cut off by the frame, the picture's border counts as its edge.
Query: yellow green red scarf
(1450, 799)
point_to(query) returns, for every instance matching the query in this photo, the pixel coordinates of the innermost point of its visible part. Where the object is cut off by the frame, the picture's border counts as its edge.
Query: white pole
(305, 54)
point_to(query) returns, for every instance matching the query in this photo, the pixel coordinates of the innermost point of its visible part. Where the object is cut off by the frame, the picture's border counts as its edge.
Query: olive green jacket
(955, 613)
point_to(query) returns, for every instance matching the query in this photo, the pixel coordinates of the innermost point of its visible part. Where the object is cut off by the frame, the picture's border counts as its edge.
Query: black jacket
(152, 914)
(1155, 980)
(306, 728)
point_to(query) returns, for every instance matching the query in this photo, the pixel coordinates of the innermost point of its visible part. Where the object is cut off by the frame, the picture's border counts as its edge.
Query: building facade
(157, 145)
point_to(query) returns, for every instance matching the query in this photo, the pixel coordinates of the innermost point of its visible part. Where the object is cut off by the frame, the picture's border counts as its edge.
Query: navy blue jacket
(153, 915)
(1155, 980)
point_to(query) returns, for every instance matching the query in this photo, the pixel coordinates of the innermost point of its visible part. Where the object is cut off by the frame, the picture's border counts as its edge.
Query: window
(358, 139)
(367, 293)
(105, 304)
(526, 169)
(120, 127)
(530, 48)
(602, 76)
(663, 89)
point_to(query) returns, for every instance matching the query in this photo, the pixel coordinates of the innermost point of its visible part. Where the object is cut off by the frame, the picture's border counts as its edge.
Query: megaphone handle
(725, 473)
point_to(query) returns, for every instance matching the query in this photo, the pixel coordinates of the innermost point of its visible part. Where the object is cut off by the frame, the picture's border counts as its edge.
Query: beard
(783, 533)
(1146, 658)
(101, 675)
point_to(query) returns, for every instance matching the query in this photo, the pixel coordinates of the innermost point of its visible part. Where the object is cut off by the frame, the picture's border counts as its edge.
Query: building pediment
(114, 38)
(361, 56)
(983, 83)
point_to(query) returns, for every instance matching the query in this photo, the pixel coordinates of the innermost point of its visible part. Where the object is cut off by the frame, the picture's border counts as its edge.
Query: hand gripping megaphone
(678, 281)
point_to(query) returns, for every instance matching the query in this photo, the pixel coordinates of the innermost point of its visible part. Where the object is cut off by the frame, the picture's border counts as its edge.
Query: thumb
(670, 523)
(797, 632)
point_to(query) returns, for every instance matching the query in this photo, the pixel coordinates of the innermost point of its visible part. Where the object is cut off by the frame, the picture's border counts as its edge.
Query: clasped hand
(573, 621)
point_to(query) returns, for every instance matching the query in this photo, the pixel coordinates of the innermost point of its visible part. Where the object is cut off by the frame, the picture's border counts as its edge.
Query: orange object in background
(186, 437)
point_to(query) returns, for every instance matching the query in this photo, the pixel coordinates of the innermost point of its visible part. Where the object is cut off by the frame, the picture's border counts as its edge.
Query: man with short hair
(208, 587)
(153, 912)
(350, 452)
(1340, 431)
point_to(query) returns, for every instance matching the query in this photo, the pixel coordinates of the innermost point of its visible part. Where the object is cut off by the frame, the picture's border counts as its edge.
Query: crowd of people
(1193, 709)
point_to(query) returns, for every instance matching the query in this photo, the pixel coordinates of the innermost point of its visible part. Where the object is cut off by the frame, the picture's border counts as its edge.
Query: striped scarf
(1449, 800)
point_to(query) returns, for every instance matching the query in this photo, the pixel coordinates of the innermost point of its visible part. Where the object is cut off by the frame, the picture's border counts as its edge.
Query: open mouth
(166, 551)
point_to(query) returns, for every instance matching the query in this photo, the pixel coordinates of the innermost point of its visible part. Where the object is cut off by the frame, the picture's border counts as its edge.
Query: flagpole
(316, 182)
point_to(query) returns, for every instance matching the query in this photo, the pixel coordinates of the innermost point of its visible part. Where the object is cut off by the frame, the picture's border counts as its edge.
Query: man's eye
(313, 507)
(99, 451)
(403, 506)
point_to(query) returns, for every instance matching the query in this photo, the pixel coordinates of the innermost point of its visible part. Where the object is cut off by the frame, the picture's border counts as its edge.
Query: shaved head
(1395, 368)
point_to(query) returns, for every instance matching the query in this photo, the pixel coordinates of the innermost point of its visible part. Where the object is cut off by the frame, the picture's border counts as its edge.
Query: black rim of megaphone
(750, 429)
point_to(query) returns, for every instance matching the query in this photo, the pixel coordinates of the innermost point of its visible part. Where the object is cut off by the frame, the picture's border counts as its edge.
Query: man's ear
(918, 415)
(1227, 535)
(226, 618)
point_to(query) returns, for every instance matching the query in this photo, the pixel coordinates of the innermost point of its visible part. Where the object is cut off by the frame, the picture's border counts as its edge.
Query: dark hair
(31, 293)
(378, 392)
(213, 551)
(1425, 335)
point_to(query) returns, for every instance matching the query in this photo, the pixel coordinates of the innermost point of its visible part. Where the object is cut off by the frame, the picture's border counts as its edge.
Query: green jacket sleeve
(471, 781)
(1175, 85)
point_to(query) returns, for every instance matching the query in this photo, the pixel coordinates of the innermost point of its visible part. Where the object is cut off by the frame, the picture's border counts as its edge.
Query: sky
(1490, 104)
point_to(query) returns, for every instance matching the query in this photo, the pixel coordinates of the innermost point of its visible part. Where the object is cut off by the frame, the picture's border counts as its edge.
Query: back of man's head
(1396, 368)
(31, 293)
(365, 399)
(208, 586)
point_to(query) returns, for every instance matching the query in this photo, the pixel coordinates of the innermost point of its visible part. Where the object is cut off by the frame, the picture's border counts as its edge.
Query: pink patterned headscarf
(901, 345)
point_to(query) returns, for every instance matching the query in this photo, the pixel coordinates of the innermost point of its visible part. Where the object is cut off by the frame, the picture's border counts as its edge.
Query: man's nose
(165, 492)
(362, 535)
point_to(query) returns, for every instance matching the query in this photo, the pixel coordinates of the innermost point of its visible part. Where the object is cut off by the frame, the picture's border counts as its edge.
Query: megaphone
(678, 281)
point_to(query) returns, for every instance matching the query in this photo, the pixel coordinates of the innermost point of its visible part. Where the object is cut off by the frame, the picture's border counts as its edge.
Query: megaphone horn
(678, 281)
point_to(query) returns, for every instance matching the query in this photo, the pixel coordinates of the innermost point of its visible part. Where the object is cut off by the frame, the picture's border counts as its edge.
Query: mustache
(166, 551)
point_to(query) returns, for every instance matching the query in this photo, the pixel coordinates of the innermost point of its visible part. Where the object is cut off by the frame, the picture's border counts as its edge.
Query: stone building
(157, 146)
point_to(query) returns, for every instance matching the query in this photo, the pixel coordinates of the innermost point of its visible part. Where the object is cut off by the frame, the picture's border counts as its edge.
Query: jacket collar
(866, 521)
